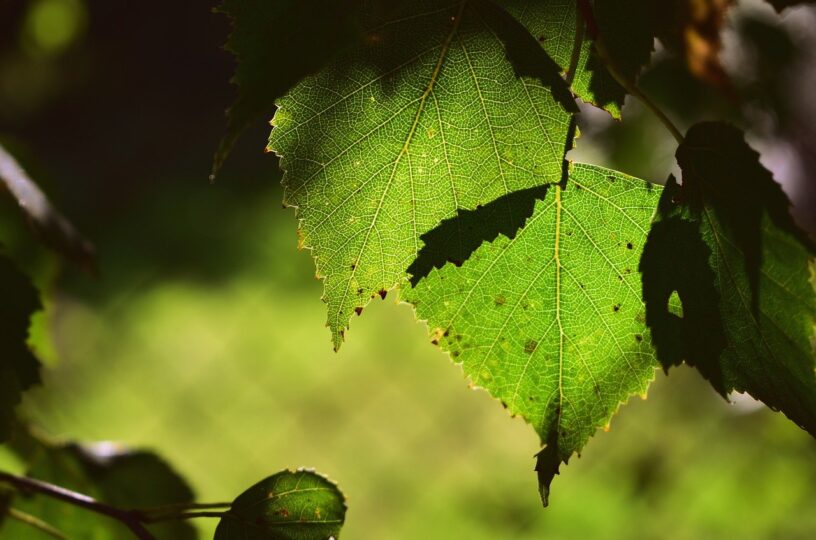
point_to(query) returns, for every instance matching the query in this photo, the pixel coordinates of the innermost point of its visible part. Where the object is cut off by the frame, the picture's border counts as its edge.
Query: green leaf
(299, 505)
(277, 43)
(107, 473)
(551, 322)
(559, 28)
(19, 369)
(425, 117)
(727, 245)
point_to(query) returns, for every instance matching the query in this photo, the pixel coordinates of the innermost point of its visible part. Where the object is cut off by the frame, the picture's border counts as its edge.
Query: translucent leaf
(435, 111)
(551, 321)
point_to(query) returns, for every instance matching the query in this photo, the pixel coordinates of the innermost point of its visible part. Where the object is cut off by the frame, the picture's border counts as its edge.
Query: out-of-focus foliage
(19, 368)
(116, 476)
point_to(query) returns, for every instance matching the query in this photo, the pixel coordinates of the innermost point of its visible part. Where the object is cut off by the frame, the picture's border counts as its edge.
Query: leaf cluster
(429, 154)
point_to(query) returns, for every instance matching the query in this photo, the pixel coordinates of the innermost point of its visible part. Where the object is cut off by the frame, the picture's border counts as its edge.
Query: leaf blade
(551, 321)
(424, 142)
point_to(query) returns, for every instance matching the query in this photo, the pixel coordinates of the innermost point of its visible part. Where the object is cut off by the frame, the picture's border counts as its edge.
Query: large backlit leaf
(551, 322)
(435, 111)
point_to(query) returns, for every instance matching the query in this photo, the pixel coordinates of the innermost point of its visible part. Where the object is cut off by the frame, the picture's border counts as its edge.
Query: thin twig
(130, 519)
(184, 515)
(35, 522)
(180, 507)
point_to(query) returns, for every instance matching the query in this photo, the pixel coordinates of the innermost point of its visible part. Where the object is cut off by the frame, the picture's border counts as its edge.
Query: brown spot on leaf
(383, 293)
(358, 311)
(530, 346)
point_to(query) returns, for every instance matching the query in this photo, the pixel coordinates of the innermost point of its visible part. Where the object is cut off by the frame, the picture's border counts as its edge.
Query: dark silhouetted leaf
(277, 43)
(19, 369)
(726, 244)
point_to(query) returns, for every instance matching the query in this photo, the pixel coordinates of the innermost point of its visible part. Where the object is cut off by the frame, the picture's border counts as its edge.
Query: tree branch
(132, 520)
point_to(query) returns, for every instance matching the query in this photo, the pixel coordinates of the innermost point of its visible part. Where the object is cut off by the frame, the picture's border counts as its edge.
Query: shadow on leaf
(526, 55)
(721, 173)
(455, 239)
(676, 260)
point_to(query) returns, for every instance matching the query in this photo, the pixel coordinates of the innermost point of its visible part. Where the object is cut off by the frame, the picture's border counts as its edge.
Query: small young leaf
(299, 505)
(551, 321)
(726, 243)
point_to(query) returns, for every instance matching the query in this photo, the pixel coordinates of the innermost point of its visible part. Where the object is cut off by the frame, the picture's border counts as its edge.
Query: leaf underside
(432, 150)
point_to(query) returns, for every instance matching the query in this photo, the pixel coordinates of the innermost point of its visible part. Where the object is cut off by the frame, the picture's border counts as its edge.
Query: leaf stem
(629, 85)
(155, 511)
(36, 523)
(184, 515)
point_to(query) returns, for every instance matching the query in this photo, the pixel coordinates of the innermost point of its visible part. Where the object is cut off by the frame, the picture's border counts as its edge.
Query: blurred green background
(203, 339)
